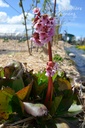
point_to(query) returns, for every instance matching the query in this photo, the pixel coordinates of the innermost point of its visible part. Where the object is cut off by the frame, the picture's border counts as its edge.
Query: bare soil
(15, 50)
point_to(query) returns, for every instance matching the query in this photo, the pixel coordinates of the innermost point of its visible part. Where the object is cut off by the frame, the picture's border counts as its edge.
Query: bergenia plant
(44, 31)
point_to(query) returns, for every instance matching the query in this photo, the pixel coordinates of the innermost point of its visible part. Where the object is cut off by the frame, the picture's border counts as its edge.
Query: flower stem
(49, 51)
(48, 99)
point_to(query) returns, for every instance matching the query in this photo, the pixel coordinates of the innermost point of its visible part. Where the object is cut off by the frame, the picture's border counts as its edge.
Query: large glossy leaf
(63, 84)
(5, 98)
(75, 109)
(55, 104)
(25, 92)
(40, 89)
(62, 87)
(9, 103)
(16, 84)
(17, 105)
(1, 72)
(66, 101)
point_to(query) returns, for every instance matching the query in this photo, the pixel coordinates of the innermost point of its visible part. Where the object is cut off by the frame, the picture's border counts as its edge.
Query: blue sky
(72, 20)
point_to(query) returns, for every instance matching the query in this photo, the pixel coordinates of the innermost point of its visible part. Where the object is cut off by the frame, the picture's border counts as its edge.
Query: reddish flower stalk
(49, 51)
(48, 99)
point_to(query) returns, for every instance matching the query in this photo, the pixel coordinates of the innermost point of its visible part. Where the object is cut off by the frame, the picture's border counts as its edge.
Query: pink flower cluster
(51, 68)
(44, 26)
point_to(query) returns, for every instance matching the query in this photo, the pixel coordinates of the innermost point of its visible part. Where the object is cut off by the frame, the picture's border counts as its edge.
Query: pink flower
(44, 38)
(38, 27)
(51, 31)
(44, 27)
(36, 41)
(52, 21)
(51, 68)
(44, 19)
(36, 35)
(36, 11)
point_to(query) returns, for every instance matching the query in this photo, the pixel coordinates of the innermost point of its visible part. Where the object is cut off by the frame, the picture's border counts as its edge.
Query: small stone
(72, 55)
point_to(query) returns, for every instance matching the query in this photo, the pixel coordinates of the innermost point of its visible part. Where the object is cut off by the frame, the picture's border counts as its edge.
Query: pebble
(72, 55)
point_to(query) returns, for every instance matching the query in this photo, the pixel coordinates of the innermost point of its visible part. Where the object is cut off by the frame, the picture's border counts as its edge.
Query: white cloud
(3, 17)
(64, 5)
(3, 4)
(18, 19)
(13, 24)
(13, 28)
(15, 19)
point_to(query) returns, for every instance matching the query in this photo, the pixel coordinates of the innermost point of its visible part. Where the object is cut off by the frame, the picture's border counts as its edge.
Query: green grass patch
(57, 58)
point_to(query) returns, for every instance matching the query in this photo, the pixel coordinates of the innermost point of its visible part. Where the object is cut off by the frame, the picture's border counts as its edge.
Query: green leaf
(5, 98)
(54, 76)
(42, 78)
(15, 84)
(40, 83)
(63, 87)
(75, 109)
(57, 58)
(17, 105)
(55, 104)
(63, 84)
(1, 72)
(25, 92)
(66, 101)
(9, 103)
